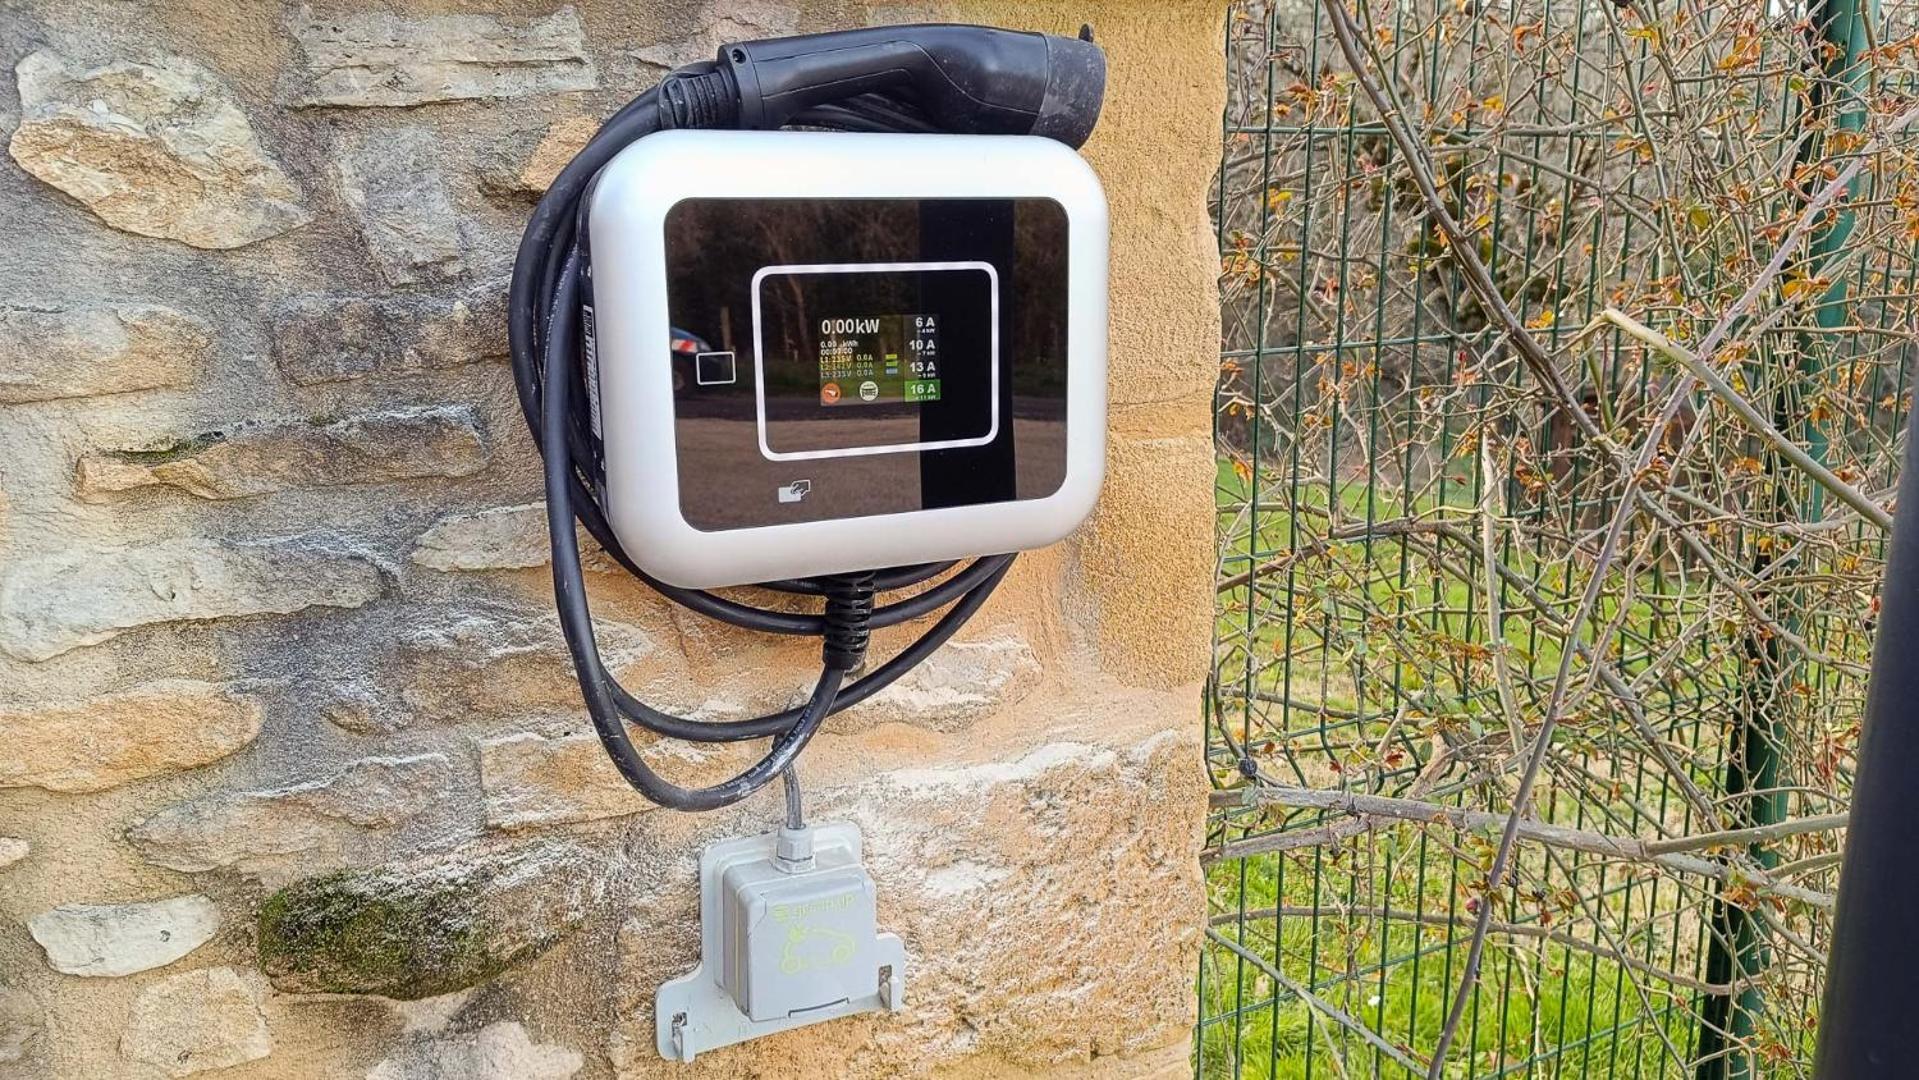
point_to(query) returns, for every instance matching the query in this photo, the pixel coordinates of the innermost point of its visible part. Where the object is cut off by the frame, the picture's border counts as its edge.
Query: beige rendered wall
(293, 778)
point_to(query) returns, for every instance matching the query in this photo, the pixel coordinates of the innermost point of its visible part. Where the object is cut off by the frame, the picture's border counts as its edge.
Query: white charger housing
(813, 353)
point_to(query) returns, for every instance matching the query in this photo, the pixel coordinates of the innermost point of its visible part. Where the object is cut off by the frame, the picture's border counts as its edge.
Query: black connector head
(974, 80)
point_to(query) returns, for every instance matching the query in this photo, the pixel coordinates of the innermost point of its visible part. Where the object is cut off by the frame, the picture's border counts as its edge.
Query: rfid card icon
(713, 369)
(795, 491)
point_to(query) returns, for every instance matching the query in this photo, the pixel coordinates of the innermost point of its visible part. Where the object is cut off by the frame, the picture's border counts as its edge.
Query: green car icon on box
(812, 948)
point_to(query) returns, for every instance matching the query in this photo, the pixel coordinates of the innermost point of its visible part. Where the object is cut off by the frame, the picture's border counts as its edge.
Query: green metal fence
(1416, 578)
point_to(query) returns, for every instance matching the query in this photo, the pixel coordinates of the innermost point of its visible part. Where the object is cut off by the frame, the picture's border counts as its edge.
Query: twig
(1458, 242)
(1495, 618)
(1674, 854)
(1561, 938)
(1328, 1009)
(1392, 118)
(1355, 531)
(1645, 998)
(1808, 865)
(1735, 401)
(1757, 834)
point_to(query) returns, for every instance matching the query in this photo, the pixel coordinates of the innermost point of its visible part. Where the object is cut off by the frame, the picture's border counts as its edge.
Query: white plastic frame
(629, 204)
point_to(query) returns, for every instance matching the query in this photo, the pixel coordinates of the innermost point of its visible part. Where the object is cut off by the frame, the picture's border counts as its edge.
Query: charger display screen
(853, 357)
(875, 359)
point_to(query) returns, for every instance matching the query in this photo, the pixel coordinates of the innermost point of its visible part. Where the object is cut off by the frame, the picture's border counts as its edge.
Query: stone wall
(294, 781)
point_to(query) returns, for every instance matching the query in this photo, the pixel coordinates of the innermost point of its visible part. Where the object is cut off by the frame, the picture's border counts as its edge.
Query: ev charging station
(851, 363)
(906, 349)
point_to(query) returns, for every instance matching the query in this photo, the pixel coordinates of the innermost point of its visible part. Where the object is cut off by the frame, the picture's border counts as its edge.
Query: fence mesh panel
(1414, 526)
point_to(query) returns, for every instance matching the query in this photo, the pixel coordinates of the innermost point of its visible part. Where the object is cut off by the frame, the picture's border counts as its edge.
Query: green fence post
(1840, 102)
(1738, 947)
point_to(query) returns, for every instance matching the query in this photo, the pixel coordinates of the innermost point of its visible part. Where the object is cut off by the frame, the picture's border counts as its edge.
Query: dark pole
(1867, 1026)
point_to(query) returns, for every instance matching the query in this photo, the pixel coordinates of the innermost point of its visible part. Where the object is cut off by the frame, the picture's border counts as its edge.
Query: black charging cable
(965, 79)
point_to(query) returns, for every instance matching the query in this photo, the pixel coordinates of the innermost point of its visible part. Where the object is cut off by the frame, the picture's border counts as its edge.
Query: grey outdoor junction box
(795, 942)
(788, 937)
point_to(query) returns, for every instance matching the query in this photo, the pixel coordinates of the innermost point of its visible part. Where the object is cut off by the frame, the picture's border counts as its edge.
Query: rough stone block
(392, 181)
(499, 538)
(498, 1051)
(491, 663)
(360, 710)
(526, 171)
(102, 741)
(382, 59)
(12, 850)
(533, 780)
(260, 458)
(1018, 885)
(253, 830)
(120, 939)
(159, 149)
(21, 1025)
(79, 352)
(1139, 584)
(736, 20)
(323, 339)
(55, 603)
(429, 928)
(961, 683)
(207, 1019)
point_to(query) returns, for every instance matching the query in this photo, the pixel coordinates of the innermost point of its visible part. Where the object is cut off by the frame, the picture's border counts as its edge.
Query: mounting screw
(679, 1038)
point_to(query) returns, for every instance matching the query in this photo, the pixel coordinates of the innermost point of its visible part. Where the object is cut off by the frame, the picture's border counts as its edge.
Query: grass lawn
(1542, 1008)
(1317, 666)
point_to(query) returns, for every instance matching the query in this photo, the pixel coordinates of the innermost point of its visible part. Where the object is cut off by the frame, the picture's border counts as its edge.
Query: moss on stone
(348, 933)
